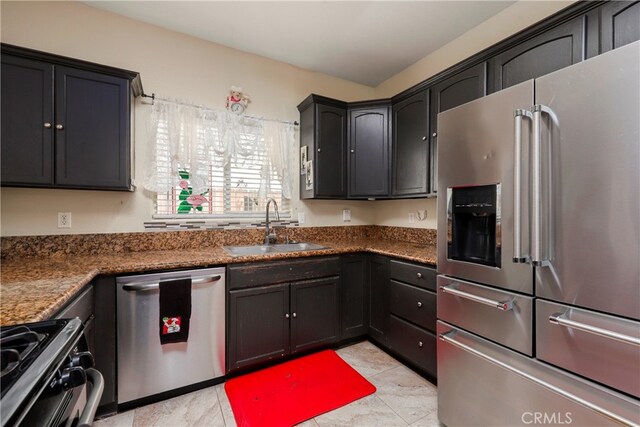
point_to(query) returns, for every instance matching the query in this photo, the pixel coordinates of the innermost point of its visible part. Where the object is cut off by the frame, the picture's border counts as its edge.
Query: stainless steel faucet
(270, 236)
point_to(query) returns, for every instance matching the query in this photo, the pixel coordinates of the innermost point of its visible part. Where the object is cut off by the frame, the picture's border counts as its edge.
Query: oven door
(476, 150)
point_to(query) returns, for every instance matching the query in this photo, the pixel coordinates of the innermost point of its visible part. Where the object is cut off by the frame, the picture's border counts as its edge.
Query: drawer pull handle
(419, 275)
(295, 315)
(286, 315)
(420, 344)
(448, 338)
(560, 320)
(419, 304)
(500, 305)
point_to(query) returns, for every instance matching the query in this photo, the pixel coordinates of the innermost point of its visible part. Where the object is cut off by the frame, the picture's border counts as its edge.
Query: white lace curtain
(196, 139)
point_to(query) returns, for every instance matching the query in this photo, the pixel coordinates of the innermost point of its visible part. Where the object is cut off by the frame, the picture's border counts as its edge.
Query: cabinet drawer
(565, 337)
(415, 344)
(413, 304)
(265, 273)
(81, 306)
(419, 275)
(476, 308)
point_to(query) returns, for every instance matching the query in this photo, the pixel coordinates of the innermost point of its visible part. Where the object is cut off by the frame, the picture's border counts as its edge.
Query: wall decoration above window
(237, 101)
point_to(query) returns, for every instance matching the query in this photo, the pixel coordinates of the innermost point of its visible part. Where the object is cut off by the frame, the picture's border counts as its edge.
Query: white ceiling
(362, 41)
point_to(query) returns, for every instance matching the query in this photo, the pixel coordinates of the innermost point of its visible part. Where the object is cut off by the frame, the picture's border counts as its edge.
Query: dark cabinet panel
(416, 345)
(550, 51)
(619, 24)
(353, 294)
(92, 129)
(27, 122)
(323, 134)
(369, 152)
(258, 325)
(410, 152)
(331, 152)
(378, 297)
(314, 313)
(413, 304)
(456, 90)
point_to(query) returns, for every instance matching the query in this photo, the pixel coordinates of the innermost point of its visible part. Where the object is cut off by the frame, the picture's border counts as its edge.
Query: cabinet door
(378, 297)
(258, 325)
(92, 130)
(619, 24)
(550, 51)
(314, 313)
(331, 152)
(353, 294)
(410, 152)
(456, 90)
(369, 152)
(27, 117)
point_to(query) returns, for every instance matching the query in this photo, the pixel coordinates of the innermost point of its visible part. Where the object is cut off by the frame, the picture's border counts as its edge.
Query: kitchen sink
(270, 249)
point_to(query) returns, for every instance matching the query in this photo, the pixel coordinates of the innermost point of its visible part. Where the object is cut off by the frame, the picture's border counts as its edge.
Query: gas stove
(46, 376)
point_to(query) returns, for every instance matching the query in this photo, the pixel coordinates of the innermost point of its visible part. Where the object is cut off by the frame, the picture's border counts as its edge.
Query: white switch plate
(300, 217)
(64, 219)
(346, 215)
(412, 217)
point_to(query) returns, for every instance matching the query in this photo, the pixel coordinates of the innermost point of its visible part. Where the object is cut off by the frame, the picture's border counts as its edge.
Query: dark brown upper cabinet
(323, 131)
(619, 24)
(65, 123)
(456, 90)
(369, 147)
(410, 147)
(27, 122)
(547, 52)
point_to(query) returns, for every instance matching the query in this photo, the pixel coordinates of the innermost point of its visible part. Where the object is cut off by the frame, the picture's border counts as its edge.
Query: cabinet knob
(353, 151)
(419, 275)
(295, 315)
(286, 316)
(419, 304)
(319, 149)
(424, 138)
(420, 344)
(47, 125)
(434, 134)
(59, 127)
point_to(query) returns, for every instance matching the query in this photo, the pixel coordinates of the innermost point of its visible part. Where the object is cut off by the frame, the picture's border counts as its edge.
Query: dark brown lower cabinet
(314, 313)
(269, 322)
(414, 344)
(258, 325)
(353, 294)
(378, 297)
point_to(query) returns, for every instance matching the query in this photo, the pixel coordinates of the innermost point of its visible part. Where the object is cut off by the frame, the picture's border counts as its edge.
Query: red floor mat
(295, 391)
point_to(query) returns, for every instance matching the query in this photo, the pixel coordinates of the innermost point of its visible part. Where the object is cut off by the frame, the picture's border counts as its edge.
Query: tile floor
(402, 398)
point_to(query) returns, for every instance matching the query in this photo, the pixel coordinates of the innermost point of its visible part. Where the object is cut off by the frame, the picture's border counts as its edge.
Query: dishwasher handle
(146, 286)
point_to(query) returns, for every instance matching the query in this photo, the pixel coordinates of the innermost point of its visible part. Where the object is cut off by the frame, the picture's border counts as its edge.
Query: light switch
(346, 215)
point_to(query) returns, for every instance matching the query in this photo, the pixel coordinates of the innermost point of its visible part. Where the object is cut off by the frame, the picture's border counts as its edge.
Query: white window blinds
(217, 164)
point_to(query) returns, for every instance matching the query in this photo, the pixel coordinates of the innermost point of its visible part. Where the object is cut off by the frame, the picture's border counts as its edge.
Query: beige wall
(171, 64)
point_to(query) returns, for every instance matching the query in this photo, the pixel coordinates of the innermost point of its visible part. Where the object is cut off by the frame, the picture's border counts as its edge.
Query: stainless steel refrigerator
(539, 250)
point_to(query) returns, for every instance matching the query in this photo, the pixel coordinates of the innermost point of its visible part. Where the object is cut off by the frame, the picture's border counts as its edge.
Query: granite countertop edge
(32, 290)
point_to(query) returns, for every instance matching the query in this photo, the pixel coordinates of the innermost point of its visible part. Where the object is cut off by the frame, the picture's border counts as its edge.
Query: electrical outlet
(64, 219)
(412, 217)
(300, 217)
(346, 215)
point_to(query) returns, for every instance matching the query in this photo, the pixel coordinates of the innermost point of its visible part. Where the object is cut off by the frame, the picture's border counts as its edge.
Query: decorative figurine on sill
(237, 101)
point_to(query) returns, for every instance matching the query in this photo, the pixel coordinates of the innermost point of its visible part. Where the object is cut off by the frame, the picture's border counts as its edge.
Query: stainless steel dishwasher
(145, 367)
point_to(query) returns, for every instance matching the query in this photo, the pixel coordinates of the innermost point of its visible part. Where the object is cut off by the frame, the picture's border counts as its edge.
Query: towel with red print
(175, 310)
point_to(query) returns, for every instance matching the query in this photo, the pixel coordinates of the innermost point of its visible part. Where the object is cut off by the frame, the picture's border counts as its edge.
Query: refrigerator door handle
(538, 259)
(561, 320)
(500, 305)
(518, 256)
(448, 338)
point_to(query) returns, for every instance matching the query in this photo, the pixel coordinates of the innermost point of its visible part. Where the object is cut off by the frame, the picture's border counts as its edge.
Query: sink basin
(269, 249)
